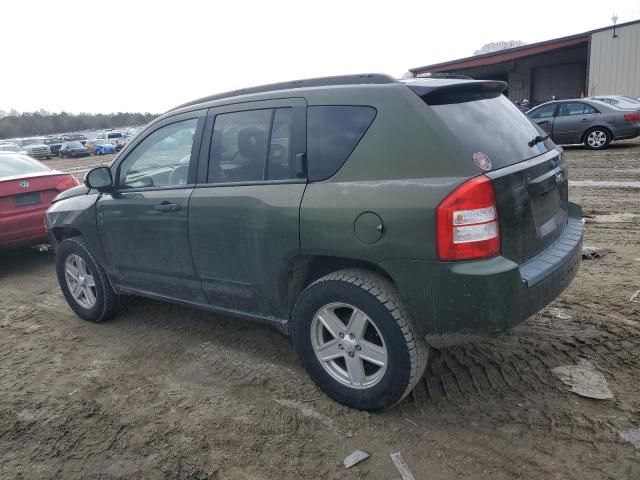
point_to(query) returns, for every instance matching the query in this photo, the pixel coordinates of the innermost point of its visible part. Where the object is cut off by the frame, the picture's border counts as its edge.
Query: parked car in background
(358, 214)
(74, 137)
(35, 147)
(54, 144)
(73, 149)
(590, 122)
(100, 147)
(27, 188)
(619, 101)
(13, 148)
(116, 138)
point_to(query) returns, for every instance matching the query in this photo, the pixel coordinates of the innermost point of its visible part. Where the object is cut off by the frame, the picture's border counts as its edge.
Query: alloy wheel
(80, 281)
(349, 345)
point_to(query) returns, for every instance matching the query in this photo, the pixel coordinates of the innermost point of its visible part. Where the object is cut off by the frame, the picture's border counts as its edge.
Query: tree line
(15, 125)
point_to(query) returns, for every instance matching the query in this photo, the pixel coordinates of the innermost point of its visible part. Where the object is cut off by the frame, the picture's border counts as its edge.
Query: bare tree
(496, 46)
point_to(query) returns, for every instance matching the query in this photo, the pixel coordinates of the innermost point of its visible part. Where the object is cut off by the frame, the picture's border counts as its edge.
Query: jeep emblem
(482, 160)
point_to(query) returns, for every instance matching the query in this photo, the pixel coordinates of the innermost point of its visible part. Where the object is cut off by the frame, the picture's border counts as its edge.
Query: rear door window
(332, 134)
(495, 127)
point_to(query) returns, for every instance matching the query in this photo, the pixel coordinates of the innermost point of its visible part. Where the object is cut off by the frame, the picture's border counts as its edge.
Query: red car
(26, 190)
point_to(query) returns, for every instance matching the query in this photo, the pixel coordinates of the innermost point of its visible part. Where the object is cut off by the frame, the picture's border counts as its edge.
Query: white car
(619, 101)
(116, 138)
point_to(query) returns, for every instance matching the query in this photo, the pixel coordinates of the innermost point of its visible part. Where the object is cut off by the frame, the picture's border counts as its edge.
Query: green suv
(362, 215)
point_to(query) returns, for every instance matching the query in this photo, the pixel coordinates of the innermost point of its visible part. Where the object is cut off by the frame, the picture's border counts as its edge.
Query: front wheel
(597, 138)
(356, 340)
(84, 283)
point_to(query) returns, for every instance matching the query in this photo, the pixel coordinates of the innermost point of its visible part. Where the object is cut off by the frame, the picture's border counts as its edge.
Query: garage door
(563, 81)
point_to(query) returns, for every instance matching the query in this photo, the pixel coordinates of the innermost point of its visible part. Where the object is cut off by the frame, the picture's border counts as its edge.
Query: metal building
(598, 62)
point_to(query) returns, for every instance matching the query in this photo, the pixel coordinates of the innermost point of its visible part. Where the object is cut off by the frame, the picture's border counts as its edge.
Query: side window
(543, 112)
(572, 108)
(589, 109)
(251, 146)
(332, 134)
(162, 159)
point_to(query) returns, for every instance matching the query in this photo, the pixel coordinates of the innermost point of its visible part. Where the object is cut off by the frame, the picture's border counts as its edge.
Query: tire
(597, 138)
(347, 294)
(106, 301)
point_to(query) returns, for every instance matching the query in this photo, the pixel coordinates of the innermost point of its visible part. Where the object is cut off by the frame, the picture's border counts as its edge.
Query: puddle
(604, 183)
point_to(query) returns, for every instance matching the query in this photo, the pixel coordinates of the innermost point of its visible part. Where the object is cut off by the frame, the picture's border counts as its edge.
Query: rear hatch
(527, 170)
(22, 194)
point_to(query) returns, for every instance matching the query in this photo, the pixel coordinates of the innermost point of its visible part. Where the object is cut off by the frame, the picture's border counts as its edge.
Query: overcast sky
(97, 56)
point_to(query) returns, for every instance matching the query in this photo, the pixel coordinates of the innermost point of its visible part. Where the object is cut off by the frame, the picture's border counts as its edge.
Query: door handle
(584, 120)
(167, 207)
(546, 122)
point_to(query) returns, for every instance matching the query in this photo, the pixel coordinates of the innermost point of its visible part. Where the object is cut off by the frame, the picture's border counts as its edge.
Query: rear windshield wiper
(537, 139)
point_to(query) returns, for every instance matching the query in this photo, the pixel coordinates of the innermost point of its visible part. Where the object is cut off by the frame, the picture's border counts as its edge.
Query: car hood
(72, 192)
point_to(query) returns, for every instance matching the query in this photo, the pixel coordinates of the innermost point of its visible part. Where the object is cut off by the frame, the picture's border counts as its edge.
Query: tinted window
(11, 165)
(114, 135)
(332, 134)
(251, 146)
(545, 111)
(573, 108)
(495, 127)
(161, 159)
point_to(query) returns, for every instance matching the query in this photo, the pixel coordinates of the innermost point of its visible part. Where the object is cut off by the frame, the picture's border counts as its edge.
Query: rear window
(495, 127)
(332, 134)
(114, 135)
(11, 165)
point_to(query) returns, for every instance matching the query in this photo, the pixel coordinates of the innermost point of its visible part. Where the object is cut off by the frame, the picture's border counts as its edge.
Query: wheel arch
(303, 270)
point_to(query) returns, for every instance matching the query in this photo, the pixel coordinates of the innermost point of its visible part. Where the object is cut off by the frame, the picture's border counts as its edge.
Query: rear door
(528, 173)
(572, 120)
(244, 211)
(143, 223)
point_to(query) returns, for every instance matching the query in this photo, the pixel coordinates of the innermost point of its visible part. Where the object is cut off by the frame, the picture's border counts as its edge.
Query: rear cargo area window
(332, 134)
(495, 127)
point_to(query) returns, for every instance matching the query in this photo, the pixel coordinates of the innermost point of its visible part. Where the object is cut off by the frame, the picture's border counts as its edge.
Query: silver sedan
(592, 123)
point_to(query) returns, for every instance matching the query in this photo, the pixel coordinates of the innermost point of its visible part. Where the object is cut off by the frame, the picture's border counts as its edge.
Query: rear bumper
(626, 133)
(487, 296)
(23, 229)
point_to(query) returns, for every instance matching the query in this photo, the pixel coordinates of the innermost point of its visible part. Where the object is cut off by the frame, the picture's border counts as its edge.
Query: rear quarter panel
(402, 168)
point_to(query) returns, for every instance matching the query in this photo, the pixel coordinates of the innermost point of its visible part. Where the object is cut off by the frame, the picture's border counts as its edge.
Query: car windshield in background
(495, 127)
(74, 145)
(78, 137)
(50, 141)
(32, 141)
(11, 165)
(114, 135)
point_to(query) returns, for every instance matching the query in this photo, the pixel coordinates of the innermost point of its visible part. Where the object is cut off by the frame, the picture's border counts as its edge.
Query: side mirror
(99, 178)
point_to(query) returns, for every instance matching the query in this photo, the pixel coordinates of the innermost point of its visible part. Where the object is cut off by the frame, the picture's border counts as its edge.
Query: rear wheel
(356, 340)
(84, 283)
(597, 138)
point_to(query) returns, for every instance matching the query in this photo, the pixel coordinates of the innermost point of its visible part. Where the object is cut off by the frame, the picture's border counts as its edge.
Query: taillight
(467, 222)
(67, 183)
(632, 117)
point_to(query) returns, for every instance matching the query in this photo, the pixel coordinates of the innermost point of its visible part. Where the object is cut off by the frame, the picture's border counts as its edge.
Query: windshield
(50, 141)
(78, 137)
(32, 141)
(114, 135)
(74, 145)
(495, 127)
(11, 165)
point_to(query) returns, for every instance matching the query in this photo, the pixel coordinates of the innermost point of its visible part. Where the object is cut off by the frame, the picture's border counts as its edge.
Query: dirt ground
(167, 392)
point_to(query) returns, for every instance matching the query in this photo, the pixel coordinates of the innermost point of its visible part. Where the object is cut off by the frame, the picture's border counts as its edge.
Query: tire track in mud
(520, 363)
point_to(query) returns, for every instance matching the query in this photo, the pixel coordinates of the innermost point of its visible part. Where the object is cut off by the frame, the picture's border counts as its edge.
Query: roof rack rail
(360, 79)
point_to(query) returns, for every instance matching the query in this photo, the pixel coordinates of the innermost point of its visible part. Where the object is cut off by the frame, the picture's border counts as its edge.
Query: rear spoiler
(438, 93)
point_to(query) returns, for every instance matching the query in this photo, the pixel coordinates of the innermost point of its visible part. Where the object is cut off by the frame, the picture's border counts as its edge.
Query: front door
(544, 116)
(143, 224)
(244, 212)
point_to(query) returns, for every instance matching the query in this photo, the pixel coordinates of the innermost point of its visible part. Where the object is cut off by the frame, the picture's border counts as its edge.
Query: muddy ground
(168, 392)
